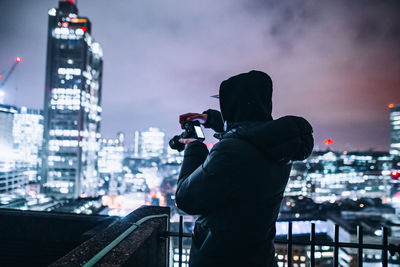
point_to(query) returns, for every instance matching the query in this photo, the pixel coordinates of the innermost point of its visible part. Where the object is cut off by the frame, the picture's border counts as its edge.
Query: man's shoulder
(234, 146)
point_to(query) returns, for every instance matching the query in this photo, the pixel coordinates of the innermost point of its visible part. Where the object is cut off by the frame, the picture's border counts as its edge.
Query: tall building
(395, 130)
(71, 136)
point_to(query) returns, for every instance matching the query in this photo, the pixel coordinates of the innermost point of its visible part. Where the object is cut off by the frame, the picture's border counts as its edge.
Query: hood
(287, 138)
(246, 97)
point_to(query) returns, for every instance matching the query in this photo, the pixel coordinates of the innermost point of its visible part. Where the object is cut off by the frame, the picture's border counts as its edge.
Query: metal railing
(384, 247)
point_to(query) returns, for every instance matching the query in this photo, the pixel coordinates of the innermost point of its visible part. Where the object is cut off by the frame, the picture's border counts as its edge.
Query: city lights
(328, 142)
(395, 175)
(70, 71)
(52, 12)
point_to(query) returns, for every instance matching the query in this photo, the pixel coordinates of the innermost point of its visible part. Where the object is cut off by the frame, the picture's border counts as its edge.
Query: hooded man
(238, 186)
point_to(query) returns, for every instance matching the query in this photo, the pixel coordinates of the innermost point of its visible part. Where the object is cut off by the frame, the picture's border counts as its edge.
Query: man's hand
(192, 116)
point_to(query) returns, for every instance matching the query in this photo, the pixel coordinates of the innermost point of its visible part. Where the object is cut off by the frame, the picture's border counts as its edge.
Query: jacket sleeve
(204, 187)
(214, 120)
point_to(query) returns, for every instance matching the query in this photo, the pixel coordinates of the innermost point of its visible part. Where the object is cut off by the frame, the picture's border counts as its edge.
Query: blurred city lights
(328, 142)
(395, 175)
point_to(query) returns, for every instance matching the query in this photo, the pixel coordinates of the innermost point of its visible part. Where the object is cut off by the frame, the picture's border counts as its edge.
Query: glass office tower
(72, 112)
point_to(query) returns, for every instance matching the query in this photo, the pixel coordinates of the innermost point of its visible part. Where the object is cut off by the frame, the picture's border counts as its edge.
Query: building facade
(28, 138)
(395, 130)
(72, 112)
(21, 132)
(10, 177)
(151, 143)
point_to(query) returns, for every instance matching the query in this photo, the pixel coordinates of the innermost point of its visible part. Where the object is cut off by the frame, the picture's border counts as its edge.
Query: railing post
(336, 248)
(180, 239)
(360, 245)
(384, 247)
(312, 242)
(289, 245)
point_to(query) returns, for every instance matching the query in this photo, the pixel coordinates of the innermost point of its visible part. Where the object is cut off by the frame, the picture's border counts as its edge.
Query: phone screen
(199, 131)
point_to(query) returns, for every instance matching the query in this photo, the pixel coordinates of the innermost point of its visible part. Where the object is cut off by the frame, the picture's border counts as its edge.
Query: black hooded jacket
(237, 187)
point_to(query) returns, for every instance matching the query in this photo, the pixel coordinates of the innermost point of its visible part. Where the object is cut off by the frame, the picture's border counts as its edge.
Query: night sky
(337, 63)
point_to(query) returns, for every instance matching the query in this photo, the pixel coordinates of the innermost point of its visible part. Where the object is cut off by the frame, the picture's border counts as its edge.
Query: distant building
(11, 176)
(71, 106)
(20, 140)
(121, 138)
(333, 176)
(6, 127)
(395, 130)
(136, 144)
(152, 143)
(111, 156)
(28, 138)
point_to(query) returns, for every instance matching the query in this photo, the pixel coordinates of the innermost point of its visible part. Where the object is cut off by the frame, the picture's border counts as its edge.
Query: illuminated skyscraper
(71, 106)
(395, 130)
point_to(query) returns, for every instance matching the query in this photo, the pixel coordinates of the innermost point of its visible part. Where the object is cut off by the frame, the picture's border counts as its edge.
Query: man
(238, 187)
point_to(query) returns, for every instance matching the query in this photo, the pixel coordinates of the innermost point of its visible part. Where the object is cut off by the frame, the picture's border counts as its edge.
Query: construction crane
(17, 61)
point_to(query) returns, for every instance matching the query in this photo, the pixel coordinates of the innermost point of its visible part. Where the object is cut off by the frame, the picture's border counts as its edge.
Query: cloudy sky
(337, 63)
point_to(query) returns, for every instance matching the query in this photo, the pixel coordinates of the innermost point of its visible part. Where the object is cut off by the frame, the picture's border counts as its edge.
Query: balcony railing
(141, 239)
(384, 247)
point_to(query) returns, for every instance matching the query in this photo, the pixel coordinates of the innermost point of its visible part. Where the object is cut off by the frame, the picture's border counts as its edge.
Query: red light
(65, 24)
(18, 59)
(391, 105)
(1, 76)
(328, 142)
(395, 175)
(84, 28)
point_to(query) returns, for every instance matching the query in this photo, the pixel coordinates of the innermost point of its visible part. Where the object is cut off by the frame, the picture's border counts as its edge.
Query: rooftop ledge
(133, 240)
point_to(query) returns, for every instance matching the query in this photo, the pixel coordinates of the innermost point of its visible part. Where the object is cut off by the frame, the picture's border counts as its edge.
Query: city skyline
(162, 60)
